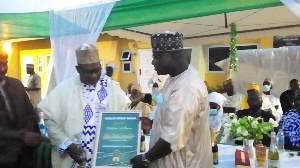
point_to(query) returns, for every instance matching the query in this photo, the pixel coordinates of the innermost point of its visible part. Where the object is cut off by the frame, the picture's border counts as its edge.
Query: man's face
(89, 73)
(160, 62)
(214, 105)
(254, 98)
(294, 85)
(3, 67)
(109, 71)
(136, 96)
(29, 70)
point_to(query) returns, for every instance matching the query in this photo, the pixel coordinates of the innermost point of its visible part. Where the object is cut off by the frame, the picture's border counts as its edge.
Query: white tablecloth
(226, 158)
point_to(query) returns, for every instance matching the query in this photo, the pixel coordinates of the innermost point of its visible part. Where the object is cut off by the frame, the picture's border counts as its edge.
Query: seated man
(287, 98)
(136, 103)
(233, 98)
(267, 86)
(255, 101)
(266, 104)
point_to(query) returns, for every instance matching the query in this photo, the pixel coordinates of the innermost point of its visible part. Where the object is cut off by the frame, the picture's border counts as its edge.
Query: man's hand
(155, 85)
(76, 153)
(32, 139)
(137, 162)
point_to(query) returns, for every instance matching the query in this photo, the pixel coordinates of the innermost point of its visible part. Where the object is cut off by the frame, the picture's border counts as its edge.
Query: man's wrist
(145, 160)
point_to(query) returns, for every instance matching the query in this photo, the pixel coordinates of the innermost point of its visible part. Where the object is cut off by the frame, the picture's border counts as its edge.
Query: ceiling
(200, 21)
(263, 22)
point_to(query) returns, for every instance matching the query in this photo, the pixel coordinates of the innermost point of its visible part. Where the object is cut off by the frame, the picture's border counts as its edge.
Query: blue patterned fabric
(64, 146)
(95, 101)
(88, 113)
(290, 124)
(102, 94)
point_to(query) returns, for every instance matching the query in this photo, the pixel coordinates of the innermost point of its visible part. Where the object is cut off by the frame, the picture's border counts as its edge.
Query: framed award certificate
(117, 139)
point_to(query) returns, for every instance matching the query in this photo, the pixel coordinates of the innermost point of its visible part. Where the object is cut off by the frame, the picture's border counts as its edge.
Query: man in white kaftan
(233, 98)
(184, 125)
(33, 86)
(73, 108)
(180, 135)
(267, 86)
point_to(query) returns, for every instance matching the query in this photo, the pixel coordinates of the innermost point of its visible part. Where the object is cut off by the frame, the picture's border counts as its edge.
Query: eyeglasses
(91, 72)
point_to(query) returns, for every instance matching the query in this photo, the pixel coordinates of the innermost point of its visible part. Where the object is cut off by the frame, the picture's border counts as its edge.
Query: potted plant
(249, 129)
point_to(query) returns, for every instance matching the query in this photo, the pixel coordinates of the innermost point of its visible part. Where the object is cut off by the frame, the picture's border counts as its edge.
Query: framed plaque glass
(117, 139)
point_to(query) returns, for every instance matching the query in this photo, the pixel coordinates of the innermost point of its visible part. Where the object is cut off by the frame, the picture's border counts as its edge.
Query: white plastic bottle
(280, 140)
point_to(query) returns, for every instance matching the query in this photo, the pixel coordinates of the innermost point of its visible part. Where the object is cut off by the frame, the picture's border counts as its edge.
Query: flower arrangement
(249, 127)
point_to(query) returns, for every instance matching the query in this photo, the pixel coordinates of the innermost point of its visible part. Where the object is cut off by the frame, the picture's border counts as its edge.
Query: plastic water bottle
(42, 126)
(280, 140)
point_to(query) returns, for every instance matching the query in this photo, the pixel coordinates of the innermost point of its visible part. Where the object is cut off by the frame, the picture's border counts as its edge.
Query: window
(218, 53)
(126, 67)
(126, 56)
(40, 63)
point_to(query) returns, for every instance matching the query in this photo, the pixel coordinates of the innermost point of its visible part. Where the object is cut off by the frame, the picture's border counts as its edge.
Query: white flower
(227, 125)
(273, 122)
(234, 121)
(238, 130)
(245, 133)
(249, 118)
(254, 124)
(231, 114)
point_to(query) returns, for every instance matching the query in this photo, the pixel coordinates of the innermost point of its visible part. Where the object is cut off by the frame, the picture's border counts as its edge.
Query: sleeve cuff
(63, 146)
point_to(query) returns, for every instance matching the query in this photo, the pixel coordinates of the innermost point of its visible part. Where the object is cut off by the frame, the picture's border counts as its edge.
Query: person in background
(156, 83)
(216, 101)
(266, 104)
(287, 98)
(33, 86)
(181, 135)
(255, 101)
(148, 99)
(19, 131)
(136, 103)
(73, 107)
(267, 86)
(233, 98)
(290, 125)
(109, 71)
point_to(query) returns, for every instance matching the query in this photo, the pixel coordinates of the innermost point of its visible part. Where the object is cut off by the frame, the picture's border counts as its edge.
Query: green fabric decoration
(232, 50)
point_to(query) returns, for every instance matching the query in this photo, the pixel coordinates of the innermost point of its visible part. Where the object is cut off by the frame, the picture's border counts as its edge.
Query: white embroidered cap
(87, 54)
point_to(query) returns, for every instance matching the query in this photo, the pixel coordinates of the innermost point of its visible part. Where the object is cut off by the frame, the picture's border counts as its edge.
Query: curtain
(68, 30)
(280, 64)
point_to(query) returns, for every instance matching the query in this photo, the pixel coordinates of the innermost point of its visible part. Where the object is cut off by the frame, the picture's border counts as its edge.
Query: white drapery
(293, 5)
(68, 30)
(280, 64)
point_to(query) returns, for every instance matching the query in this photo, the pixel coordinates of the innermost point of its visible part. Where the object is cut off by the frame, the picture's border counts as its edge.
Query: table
(227, 160)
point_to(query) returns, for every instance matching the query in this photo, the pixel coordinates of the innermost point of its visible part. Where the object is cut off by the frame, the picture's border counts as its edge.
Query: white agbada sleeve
(63, 111)
(117, 98)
